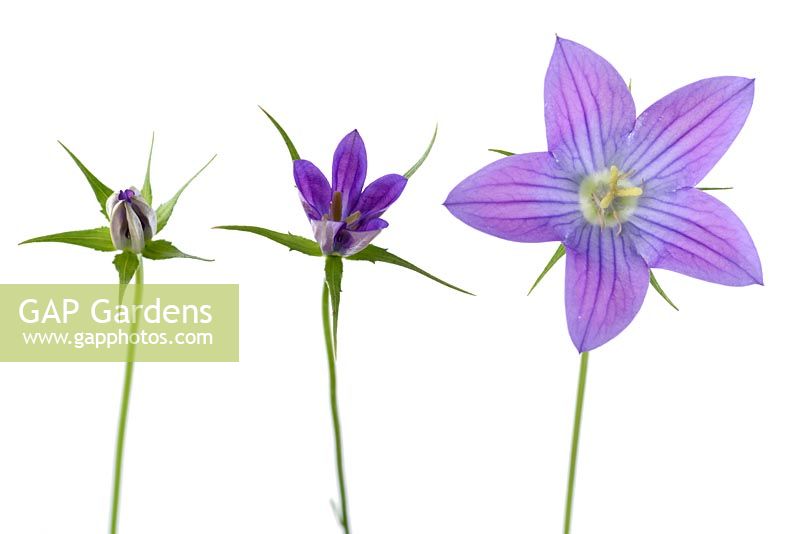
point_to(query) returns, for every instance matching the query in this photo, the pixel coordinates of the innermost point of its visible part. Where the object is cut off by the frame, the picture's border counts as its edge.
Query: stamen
(336, 206)
(353, 217)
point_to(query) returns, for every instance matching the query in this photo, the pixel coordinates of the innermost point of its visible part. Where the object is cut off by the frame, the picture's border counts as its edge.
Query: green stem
(337, 431)
(576, 432)
(126, 396)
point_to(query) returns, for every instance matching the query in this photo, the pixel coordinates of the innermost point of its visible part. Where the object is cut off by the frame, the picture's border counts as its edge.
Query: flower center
(608, 198)
(126, 195)
(335, 212)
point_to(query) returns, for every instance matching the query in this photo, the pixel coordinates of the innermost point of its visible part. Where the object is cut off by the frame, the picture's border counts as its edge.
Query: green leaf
(414, 168)
(657, 287)
(333, 277)
(96, 238)
(164, 211)
(294, 242)
(161, 249)
(714, 188)
(560, 251)
(147, 190)
(101, 190)
(503, 152)
(292, 150)
(376, 254)
(126, 263)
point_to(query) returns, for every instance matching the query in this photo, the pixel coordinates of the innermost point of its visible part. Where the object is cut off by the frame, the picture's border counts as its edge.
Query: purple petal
(135, 230)
(379, 195)
(526, 198)
(325, 233)
(118, 222)
(606, 283)
(695, 234)
(315, 191)
(678, 139)
(349, 170)
(146, 215)
(588, 108)
(349, 242)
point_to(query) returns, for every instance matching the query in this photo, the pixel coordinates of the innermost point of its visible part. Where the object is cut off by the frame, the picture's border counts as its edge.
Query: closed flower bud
(133, 221)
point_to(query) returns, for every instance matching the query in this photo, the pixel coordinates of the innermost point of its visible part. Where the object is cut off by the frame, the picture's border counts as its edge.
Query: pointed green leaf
(126, 263)
(161, 249)
(292, 150)
(293, 242)
(376, 254)
(657, 287)
(96, 238)
(101, 190)
(164, 211)
(333, 277)
(560, 251)
(147, 190)
(714, 188)
(414, 168)
(503, 152)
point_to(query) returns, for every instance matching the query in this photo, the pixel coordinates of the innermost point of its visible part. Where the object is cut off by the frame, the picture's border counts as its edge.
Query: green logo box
(89, 323)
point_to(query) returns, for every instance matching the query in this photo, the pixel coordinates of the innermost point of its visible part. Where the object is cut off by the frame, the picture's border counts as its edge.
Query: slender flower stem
(337, 431)
(126, 396)
(576, 432)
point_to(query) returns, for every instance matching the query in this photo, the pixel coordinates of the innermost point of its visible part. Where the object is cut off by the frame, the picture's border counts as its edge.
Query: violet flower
(618, 191)
(344, 218)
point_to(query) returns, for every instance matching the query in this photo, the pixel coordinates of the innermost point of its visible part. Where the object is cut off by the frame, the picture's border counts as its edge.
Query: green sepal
(376, 254)
(657, 287)
(293, 242)
(503, 152)
(714, 188)
(292, 150)
(147, 189)
(164, 211)
(96, 238)
(101, 190)
(559, 253)
(414, 168)
(126, 263)
(333, 277)
(162, 249)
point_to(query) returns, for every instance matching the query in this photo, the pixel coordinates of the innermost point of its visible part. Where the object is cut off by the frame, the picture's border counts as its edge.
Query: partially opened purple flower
(343, 217)
(618, 191)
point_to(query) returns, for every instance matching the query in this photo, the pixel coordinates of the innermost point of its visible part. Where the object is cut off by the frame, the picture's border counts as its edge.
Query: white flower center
(608, 198)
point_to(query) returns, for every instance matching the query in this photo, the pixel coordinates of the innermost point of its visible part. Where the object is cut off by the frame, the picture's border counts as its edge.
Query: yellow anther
(629, 192)
(336, 206)
(615, 191)
(353, 217)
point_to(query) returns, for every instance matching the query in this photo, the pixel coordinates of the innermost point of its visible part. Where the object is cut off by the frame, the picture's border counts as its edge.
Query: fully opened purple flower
(343, 217)
(618, 190)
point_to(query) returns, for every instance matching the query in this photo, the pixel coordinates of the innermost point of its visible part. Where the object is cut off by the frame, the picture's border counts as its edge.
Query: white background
(457, 411)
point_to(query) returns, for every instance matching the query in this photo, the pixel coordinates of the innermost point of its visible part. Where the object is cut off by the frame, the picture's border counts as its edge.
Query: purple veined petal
(146, 215)
(677, 140)
(348, 242)
(118, 222)
(111, 203)
(315, 191)
(379, 195)
(525, 198)
(349, 170)
(606, 282)
(325, 232)
(693, 233)
(588, 108)
(135, 230)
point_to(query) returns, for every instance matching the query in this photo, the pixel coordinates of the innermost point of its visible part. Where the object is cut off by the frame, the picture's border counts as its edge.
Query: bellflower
(344, 218)
(132, 220)
(618, 191)
(132, 224)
